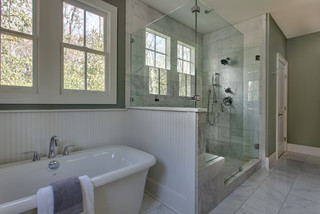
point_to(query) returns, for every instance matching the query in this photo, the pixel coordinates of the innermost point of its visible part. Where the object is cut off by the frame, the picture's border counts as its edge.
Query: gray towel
(67, 196)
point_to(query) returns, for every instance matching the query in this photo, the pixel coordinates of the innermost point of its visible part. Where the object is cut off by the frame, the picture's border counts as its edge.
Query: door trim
(281, 59)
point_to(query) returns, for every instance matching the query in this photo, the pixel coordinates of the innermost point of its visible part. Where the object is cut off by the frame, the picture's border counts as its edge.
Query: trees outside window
(158, 61)
(84, 53)
(17, 43)
(185, 68)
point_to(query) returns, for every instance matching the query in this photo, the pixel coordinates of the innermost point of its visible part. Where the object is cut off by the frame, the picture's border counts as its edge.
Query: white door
(282, 83)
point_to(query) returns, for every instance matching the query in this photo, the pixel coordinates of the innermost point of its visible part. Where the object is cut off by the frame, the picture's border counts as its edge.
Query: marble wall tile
(210, 185)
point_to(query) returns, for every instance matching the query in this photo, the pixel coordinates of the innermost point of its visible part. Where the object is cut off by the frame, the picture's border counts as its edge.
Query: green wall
(276, 43)
(304, 88)
(121, 5)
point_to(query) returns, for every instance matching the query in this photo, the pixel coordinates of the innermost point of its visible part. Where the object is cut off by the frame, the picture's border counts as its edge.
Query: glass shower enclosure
(193, 58)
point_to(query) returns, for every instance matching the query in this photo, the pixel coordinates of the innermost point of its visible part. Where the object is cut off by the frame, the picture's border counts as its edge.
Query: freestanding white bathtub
(118, 174)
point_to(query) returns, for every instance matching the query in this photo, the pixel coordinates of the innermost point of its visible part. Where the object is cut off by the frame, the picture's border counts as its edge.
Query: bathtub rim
(30, 202)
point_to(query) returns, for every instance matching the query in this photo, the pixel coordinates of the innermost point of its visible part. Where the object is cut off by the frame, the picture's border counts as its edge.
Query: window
(253, 91)
(158, 61)
(185, 68)
(66, 56)
(84, 53)
(18, 44)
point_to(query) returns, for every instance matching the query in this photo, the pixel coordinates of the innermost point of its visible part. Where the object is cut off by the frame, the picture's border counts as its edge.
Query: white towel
(87, 195)
(45, 200)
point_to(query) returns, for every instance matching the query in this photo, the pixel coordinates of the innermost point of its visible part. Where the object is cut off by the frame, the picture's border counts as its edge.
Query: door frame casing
(280, 58)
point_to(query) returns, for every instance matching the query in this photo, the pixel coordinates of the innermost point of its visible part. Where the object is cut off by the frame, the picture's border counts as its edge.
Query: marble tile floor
(291, 186)
(152, 206)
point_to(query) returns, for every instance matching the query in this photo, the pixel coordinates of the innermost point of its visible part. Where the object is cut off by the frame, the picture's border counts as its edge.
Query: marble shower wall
(140, 73)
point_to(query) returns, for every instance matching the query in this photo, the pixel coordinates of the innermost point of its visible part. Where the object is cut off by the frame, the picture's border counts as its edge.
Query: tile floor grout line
(253, 191)
(291, 187)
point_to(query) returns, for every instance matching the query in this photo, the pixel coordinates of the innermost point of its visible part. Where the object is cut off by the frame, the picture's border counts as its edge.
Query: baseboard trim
(270, 161)
(308, 150)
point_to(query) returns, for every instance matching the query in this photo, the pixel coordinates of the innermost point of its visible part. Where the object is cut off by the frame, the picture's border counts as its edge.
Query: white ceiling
(294, 17)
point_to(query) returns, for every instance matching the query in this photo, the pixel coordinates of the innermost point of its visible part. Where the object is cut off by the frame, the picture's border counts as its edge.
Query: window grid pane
(160, 60)
(74, 69)
(179, 51)
(187, 54)
(94, 31)
(182, 85)
(17, 15)
(163, 82)
(73, 25)
(188, 85)
(180, 66)
(150, 41)
(153, 80)
(16, 61)
(160, 44)
(150, 58)
(95, 72)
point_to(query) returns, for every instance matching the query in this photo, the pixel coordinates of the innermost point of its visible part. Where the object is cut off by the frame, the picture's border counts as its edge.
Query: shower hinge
(257, 146)
(195, 98)
(285, 139)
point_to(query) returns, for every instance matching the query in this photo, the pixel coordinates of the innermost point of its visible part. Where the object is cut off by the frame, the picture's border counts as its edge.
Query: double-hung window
(59, 51)
(84, 55)
(185, 68)
(158, 61)
(18, 44)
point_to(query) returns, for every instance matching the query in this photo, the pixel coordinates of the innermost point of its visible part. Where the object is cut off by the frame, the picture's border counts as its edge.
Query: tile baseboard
(308, 150)
(270, 161)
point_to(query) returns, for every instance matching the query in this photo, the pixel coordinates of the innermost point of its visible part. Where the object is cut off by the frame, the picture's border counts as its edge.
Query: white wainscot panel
(31, 131)
(171, 138)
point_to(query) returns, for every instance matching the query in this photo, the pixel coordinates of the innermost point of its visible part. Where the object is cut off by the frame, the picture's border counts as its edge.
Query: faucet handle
(66, 150)
(56, 140)
(36, 156)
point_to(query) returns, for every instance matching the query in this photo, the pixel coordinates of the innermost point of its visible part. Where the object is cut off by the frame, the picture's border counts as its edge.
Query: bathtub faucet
(53, 142)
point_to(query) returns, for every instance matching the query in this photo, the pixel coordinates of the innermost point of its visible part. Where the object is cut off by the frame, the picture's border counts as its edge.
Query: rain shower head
(225, 61)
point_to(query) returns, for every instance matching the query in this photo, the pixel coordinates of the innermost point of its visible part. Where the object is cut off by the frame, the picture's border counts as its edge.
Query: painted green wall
(304, 88)
(277, 43)
(121, 5)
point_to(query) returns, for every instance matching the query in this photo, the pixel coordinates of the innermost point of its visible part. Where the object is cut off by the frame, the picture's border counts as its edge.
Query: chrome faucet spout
(53, 142)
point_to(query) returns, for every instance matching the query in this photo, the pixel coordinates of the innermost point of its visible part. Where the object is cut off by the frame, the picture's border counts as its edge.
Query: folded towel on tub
(47, 199)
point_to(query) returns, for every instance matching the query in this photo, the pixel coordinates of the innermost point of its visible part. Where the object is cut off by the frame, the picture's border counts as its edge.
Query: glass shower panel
(222, 90)
(163, 57)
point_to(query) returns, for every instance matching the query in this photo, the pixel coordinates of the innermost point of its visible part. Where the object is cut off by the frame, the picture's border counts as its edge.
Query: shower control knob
(228, 90)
